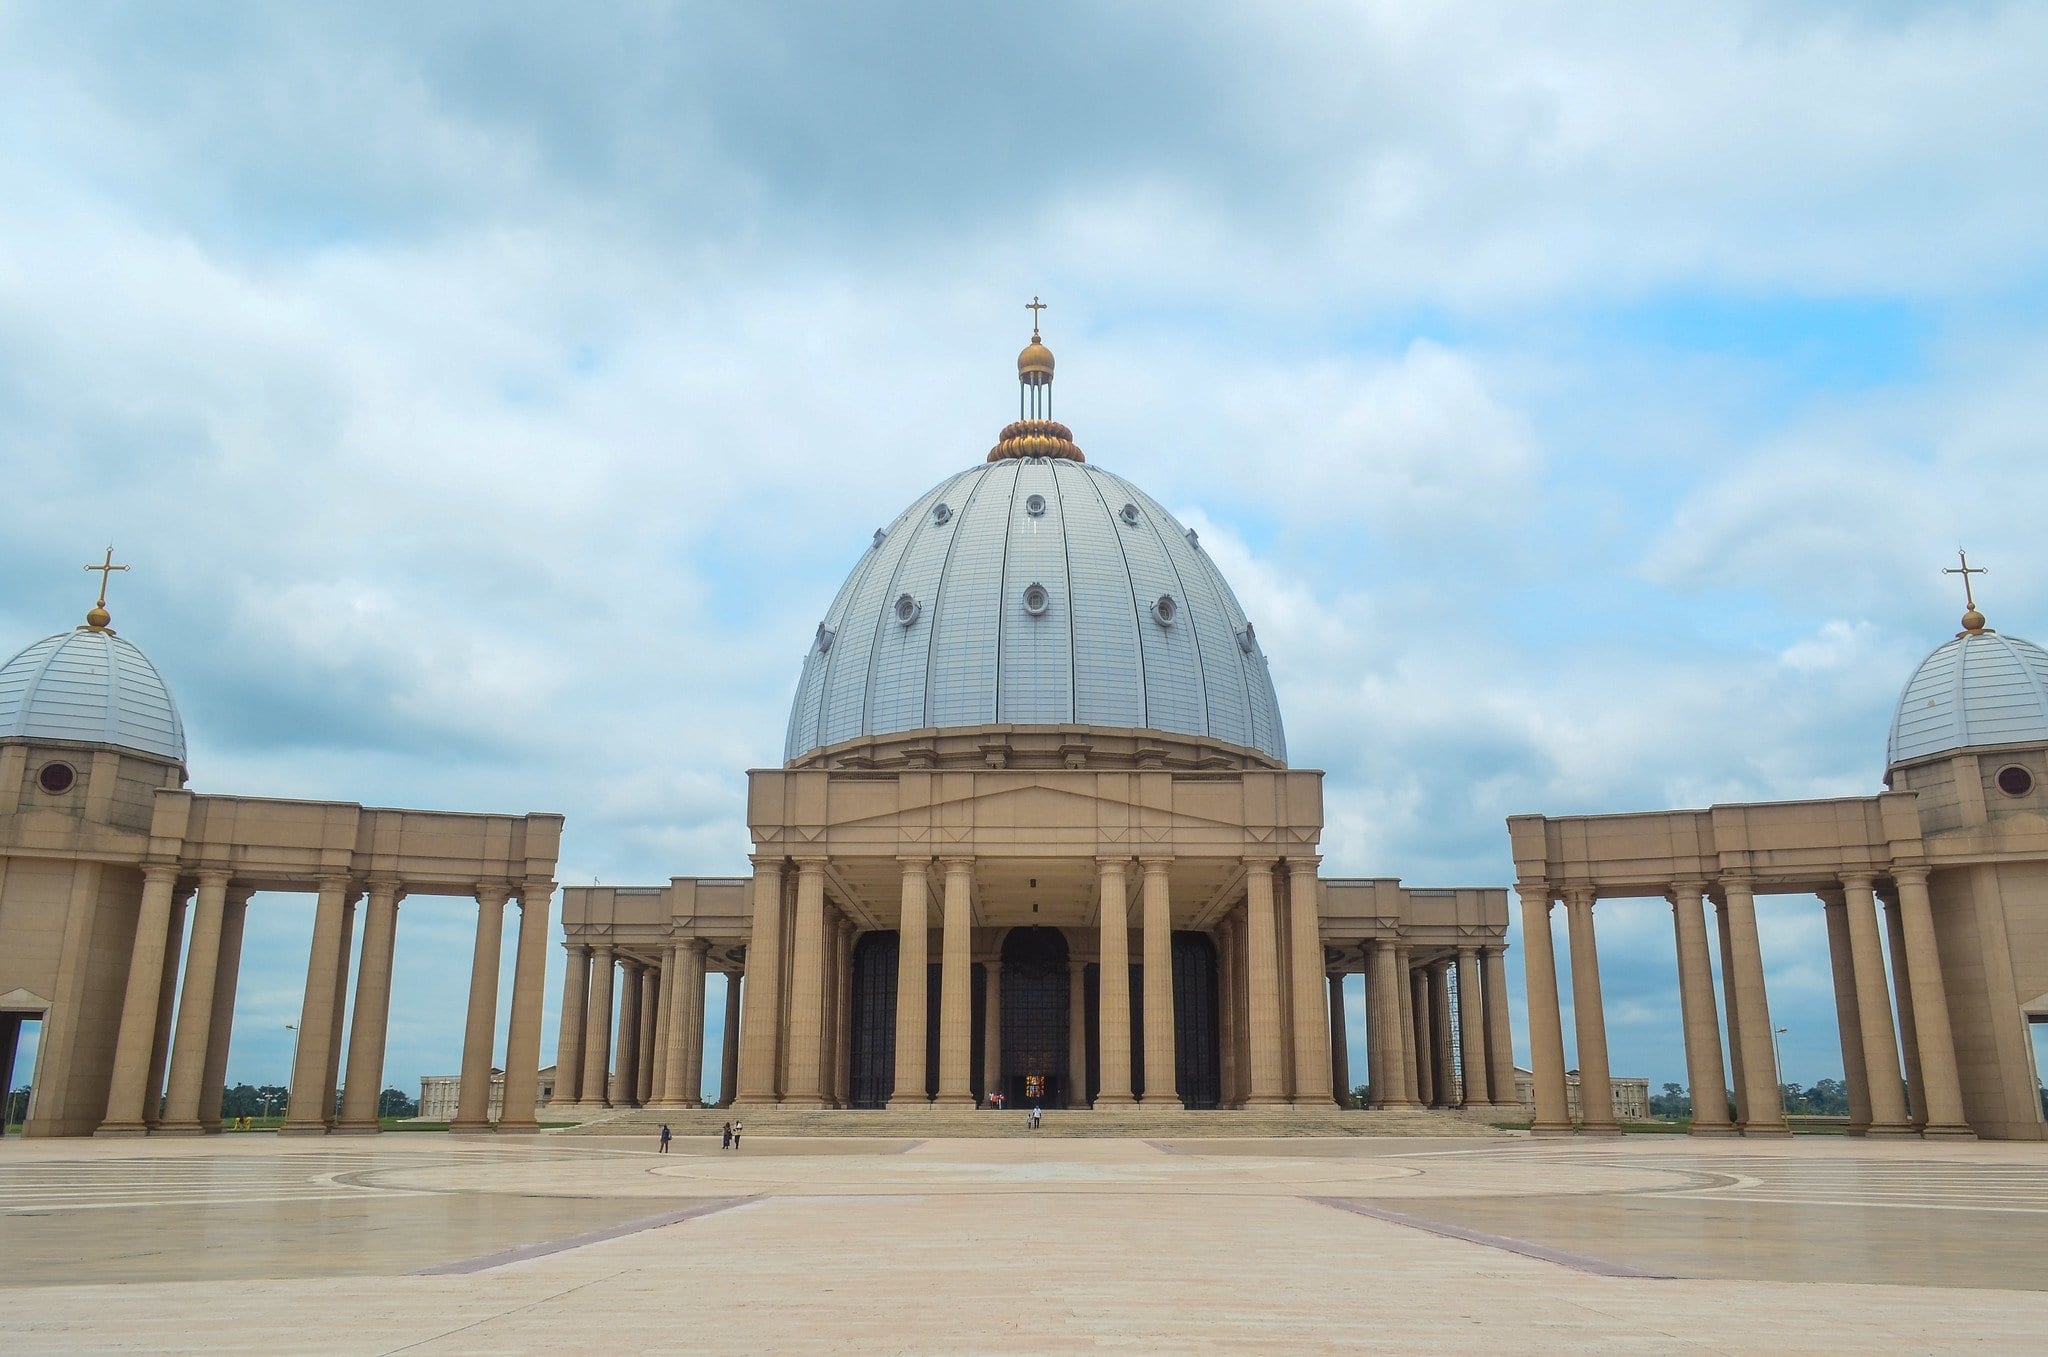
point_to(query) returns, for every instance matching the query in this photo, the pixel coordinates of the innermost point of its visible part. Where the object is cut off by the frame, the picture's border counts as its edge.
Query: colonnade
(168, 1078)
(1431, 1041)
(1923, 1098)
(656, 1057)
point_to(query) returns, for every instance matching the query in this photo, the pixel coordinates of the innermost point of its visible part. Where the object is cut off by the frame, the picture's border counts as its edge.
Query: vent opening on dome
(1035, 505)
(1035, 599)
(1165, 610)
(943, 513)
(1247, 640)
(1129, 514)
(880, 537)
(825, 638)
(907, 609)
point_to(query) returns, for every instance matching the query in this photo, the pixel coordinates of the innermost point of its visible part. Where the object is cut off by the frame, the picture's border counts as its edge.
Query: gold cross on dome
(1966, 570)
(106, 568)
(1034, 306)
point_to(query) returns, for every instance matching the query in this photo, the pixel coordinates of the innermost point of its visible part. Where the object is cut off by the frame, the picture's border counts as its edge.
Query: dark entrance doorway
(1034, 1028)
(874, 1019)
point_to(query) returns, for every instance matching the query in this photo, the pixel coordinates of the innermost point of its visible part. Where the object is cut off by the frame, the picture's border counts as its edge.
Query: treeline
(1827, 1098)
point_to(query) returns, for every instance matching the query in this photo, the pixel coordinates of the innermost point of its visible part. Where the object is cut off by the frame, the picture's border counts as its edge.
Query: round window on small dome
(1129, 514)
(56, 778)
(1035, 505)
(2014, 780)
(907, 609)
(943, 514)
(1165, 610)
(1035, 599)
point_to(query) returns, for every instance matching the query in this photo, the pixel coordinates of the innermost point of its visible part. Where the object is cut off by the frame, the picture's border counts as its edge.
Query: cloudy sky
(1583, 399)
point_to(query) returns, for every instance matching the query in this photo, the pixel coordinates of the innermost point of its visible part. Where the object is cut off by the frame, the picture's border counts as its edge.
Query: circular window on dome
(907, 609)
(56, 778)
(942, 514)
(1035, 505)
(1165, 610)
(1129, 514)
(2014, 780)
(1035, 599)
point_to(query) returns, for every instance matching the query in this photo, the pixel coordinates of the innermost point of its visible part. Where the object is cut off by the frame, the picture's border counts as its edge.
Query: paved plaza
(433, 1244)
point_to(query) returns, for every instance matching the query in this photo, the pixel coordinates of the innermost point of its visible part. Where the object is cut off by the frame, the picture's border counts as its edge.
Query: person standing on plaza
(664, 1139)
(737, 1127)
(726, 1143)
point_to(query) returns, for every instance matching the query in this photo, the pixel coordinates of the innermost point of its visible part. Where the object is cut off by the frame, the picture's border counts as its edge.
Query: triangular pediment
(2037, 1009)
(21, 998)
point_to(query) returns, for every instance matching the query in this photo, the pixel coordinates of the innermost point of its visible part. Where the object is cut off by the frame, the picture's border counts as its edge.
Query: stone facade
(1630, 1096)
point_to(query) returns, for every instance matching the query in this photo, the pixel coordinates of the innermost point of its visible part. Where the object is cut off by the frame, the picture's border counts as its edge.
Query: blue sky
(1583, 400)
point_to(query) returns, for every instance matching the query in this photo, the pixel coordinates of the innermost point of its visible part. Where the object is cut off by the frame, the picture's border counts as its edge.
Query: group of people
(732, 1136)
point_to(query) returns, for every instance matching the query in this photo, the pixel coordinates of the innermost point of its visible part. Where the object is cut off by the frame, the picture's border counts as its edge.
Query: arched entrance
(1034, 1028)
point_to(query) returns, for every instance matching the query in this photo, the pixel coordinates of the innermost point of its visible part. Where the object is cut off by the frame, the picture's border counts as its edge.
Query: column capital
(1858, 881)
(1910, 876)
(154, 873)
(492, 892)
(1303, 861)
(386, 886)
(1533, 892)
(1468, 949)
(238, 896)
(700, 947)
(1687, 889)
(603, 947)
(1156, 866)
(921, 862)
(333, 881)
(958, 862)
(217, 877)
(816, 862)
(1580, 896)
(992, 965)
(1254, 861)
(1105, 860)
(761, 860)
(535, 890)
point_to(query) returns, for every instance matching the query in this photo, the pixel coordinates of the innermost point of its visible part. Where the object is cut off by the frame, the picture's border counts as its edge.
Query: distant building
(439, 1093)
(1631, 1096)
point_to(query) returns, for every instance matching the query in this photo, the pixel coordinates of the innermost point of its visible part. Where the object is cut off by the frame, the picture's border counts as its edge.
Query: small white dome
(1979, 689)
(93, 687)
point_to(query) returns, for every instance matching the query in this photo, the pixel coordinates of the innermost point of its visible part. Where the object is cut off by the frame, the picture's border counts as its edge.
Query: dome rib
(974, 654)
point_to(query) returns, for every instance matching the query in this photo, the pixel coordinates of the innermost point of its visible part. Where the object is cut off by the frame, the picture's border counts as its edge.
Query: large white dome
(1979, 689)
(1035, 591)
(94, 687)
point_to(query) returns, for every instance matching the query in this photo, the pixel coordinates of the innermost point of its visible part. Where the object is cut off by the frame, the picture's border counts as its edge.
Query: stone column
(1471, 1027)
(763, 995)
(195, 1008)
(166, 1002)
(626, 1080)
(331, 1086)
(1848, 1020)
(1874, 1009)
(665, 1047)
(1753, 1012)
(842, 1019)
(991, 1029)
(1902, 1000)
(913, 939)
(1443, 1052)
(1265, 1086)
(597, 1030)
(128, 1109)
(1703, 1069)
(673, 1081)
(1077, 1034)
(956, 986)
(569, 1037)
(1930, 1007)
(805, 1083)
(1731, 1012)
(1227, 986)
(1546, 1022)
(1113, 985)
(1311, 1019)
(303, 1113)
(1596, 1085)
(649, 1055)
(1422, 1024)
(479, 1033)
(1162, 1063)
(1340, 1044)
(227, 979)
(695, 951)
(729, 1054)
(365, 1082)
(1500, 1041)
(529, 993)
(1383, 989)
(828, 1008)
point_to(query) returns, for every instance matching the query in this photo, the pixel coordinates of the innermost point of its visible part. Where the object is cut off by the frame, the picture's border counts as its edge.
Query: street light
(1778, 1054)
(293, 1068)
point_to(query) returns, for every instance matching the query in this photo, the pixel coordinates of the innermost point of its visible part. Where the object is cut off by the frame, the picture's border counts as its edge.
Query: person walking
(664, 1139)
(1037, 1116)
(737, 1127)
(726, 1144)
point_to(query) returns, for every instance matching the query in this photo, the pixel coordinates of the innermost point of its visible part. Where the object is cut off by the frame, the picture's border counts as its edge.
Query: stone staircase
(923, 1123)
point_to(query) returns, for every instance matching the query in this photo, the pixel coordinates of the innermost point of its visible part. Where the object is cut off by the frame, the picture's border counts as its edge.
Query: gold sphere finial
(97, 618)
(1973, 623)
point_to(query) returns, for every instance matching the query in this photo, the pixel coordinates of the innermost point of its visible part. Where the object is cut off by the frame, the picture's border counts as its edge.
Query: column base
(1601, 1132)
(1892, 1133)
(179, 1128)
(954, 1100)
(1776, 1129)
(1104, 1101)
(1949, 1133)
(805, 1100)
(1717, 1129)
(900, 1101)
(357, 1128)
(1256, 1100)
(518, 1128)
(470, 1128)
(113, 1129)
(1553, 1128)
(318, 1128)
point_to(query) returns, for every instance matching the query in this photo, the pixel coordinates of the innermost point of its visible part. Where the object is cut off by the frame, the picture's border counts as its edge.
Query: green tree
(1673, 1104)
(392, 1102)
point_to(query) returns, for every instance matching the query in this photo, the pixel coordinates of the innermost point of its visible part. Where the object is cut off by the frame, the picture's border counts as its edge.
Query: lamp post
(293, 1068)
(1778, 1054)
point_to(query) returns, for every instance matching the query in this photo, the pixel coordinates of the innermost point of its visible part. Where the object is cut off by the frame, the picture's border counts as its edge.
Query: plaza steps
(920, 1123)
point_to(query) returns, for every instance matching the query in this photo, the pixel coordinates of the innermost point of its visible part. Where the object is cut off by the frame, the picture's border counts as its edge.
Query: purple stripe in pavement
(1577, 1262)
(527, 1252)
